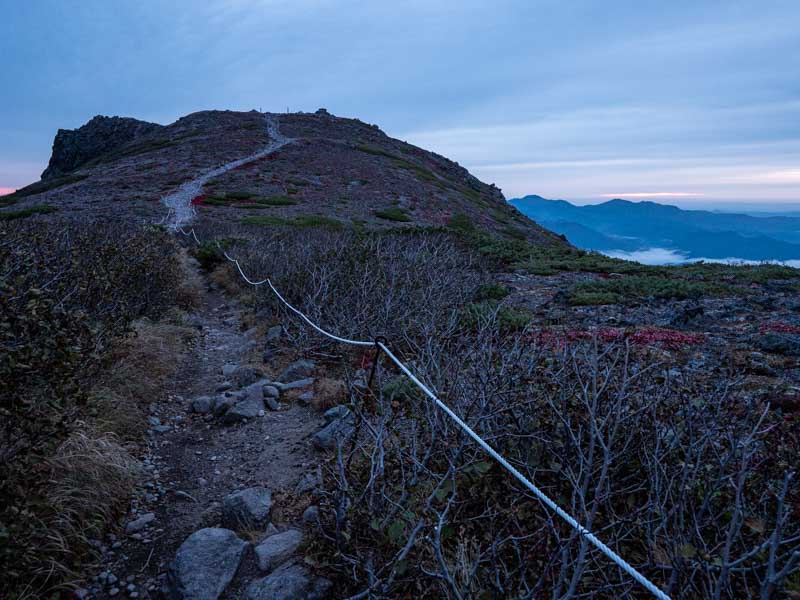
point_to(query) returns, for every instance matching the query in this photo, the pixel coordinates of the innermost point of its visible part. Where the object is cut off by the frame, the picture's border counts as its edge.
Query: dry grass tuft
(226, 277)
(141, 366)
(191, 288)
(91, 478)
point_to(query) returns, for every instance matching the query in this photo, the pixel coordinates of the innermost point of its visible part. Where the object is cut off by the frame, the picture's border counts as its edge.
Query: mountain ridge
(623, 225)
(340, 169)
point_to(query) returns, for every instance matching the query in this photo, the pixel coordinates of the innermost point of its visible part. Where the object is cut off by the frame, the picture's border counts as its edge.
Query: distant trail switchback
(180, 201)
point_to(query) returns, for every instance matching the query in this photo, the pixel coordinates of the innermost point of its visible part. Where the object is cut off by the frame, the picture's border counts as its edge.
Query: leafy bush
(66, 292)
(686, 476)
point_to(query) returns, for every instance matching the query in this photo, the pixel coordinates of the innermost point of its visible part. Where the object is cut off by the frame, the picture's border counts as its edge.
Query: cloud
(652, 195)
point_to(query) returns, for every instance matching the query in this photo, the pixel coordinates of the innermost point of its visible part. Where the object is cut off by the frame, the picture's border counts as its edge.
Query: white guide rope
(544, 498)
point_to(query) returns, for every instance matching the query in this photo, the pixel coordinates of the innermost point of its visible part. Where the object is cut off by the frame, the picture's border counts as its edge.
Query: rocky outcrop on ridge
(73, 148)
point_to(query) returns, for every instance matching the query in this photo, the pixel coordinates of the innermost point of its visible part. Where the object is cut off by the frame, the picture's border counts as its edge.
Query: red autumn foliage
(778, 327)
(198, 200)
(647, 336)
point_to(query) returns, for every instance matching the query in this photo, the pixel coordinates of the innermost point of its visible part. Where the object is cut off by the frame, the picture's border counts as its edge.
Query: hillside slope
(335, 171)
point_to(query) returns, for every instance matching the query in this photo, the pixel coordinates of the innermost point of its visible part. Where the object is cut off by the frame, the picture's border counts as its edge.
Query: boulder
(297, 370)
(249, 408)
(277, 549)
(247, 509)
(223, 404)
(294, 385)
(205, 564)
(337, 429)
(289, 582)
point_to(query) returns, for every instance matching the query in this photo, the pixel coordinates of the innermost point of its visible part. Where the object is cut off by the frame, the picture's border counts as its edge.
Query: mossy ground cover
(298, 221)
(41, 209)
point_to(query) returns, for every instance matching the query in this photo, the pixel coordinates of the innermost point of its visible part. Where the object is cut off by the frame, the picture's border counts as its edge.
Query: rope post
(378, 341)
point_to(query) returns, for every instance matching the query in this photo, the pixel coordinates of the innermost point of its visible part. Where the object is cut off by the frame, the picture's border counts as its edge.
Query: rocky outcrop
(73, 148)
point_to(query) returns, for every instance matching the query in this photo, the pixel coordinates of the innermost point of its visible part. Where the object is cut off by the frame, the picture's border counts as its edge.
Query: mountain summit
(334, 171)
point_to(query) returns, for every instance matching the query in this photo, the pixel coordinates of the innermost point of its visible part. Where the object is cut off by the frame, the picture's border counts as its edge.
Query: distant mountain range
(620, 225)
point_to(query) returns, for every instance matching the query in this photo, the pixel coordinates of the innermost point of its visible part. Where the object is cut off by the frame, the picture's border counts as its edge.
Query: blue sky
(696, 102)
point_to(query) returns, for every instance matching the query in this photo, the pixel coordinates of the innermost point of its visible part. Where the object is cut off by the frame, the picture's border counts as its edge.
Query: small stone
(224, 386)
(154, 421)
(270, 391)
(337, 412)
(140, 523)
(113, 591)
(277, 548)
(202, 405)
(288, 583)
(306, 397)
(229, 369)
(245, 375)
(297, 370)
(161, 428)
(247, 509)
(274, 334)
(247, 347)
(311, 515)
(332, 433)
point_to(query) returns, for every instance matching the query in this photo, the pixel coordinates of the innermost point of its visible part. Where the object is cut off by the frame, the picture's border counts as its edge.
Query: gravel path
(179, 202)
(195, 461)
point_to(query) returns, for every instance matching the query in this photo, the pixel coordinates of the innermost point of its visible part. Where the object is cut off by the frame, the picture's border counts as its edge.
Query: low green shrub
(491, 291)
(41, 209)
(394, 213)
(508, 319)
(636, 288)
